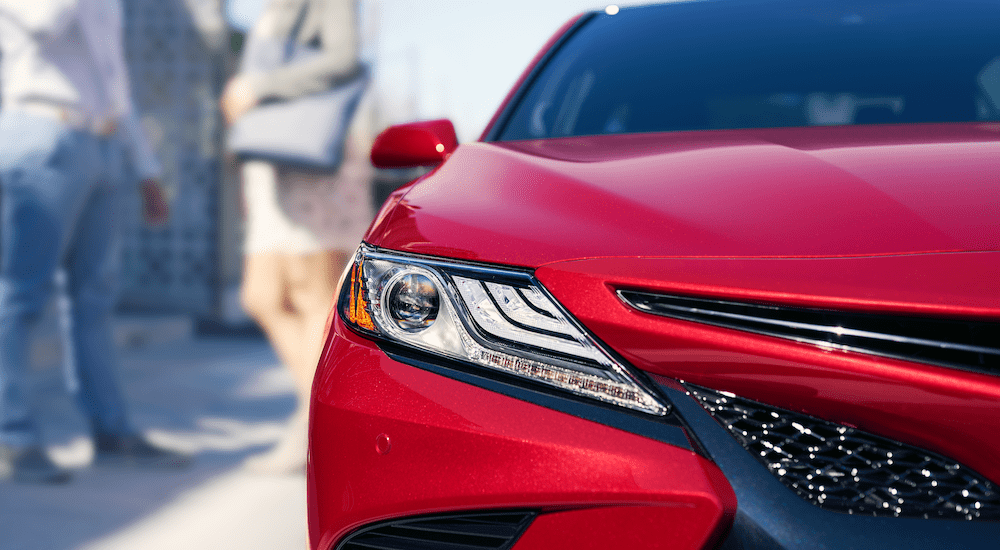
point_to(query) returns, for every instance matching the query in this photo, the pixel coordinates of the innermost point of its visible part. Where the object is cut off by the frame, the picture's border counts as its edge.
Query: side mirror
(415, 144)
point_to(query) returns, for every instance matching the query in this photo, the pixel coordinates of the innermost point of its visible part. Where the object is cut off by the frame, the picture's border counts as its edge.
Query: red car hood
(796, 192)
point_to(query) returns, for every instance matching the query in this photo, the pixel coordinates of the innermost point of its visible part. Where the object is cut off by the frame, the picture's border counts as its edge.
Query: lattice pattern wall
(176, 77)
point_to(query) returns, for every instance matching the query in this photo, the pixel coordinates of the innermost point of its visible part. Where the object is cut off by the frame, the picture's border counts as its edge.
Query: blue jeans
(60, 208)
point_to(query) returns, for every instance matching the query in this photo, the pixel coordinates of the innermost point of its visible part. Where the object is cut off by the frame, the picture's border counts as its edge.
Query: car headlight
(493, 318)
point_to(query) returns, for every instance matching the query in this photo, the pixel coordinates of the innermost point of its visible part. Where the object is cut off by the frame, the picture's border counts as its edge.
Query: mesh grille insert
(843, 469)
(473, 531)
(965, 344)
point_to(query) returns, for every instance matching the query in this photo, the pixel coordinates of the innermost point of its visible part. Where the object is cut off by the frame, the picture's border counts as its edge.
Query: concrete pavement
(220, 399)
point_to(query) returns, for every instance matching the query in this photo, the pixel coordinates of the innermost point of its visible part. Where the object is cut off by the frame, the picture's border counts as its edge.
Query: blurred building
(177, 52)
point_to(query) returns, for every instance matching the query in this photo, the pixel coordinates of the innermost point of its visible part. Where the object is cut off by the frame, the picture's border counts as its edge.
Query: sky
(452, 59)
(458, 58)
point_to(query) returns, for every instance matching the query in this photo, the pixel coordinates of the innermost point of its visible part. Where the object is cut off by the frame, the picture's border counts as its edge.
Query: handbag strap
(266, 51)
(292, 43)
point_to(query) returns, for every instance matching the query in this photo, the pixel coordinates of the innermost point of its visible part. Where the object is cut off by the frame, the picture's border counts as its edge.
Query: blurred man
(66, 121)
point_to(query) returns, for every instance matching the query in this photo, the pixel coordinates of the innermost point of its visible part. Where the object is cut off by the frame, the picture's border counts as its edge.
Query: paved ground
(220, 399)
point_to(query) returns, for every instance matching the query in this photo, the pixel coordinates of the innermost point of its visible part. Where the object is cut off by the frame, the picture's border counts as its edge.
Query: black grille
(965, 344)
(847, 470)
(473, 531)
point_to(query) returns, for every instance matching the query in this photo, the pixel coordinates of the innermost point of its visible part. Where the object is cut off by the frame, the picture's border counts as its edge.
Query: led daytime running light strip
(606, 390)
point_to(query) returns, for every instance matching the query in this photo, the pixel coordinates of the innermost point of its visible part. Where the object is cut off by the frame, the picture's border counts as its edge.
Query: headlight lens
(494, 318)
(412, 301)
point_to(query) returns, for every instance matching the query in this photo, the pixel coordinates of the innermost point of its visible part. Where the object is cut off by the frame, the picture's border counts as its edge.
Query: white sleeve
(102, 23)
(41, 17)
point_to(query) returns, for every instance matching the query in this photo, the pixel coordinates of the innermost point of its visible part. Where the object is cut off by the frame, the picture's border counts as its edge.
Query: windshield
(725, 64)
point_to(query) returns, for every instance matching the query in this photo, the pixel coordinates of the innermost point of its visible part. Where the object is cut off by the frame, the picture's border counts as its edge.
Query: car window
(989, 84)
(767, 63)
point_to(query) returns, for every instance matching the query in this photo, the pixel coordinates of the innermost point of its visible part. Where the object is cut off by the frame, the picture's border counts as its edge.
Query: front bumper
(395, 435)
(391, 440)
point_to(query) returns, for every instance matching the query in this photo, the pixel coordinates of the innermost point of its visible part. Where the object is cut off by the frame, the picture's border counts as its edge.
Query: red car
(719, 274)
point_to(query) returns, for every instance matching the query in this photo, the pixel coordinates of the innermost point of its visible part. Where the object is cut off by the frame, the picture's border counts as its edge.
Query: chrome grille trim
(847, 470)
(965, 344)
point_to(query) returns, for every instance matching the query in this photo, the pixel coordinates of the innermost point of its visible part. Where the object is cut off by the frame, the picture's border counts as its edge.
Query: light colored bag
(309, 131)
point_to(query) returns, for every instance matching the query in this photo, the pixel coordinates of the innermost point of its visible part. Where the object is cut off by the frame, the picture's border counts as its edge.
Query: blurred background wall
(452, 59)
(177, 55)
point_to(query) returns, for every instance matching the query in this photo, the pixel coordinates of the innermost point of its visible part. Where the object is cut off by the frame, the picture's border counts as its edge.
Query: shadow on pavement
(219, 399)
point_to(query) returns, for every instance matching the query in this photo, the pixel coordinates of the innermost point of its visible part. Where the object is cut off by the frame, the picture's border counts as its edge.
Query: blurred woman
(301, 225)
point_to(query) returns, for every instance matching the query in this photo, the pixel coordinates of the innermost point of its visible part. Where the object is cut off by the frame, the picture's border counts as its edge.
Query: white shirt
(69, 54)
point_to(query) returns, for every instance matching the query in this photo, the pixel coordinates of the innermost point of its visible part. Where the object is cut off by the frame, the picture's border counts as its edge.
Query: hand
(237, 98)
(155, 210)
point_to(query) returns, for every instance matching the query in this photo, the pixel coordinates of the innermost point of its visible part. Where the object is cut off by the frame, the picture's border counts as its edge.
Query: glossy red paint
(786, 192)
(415, 144)
(456, 447)
(953, 412)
